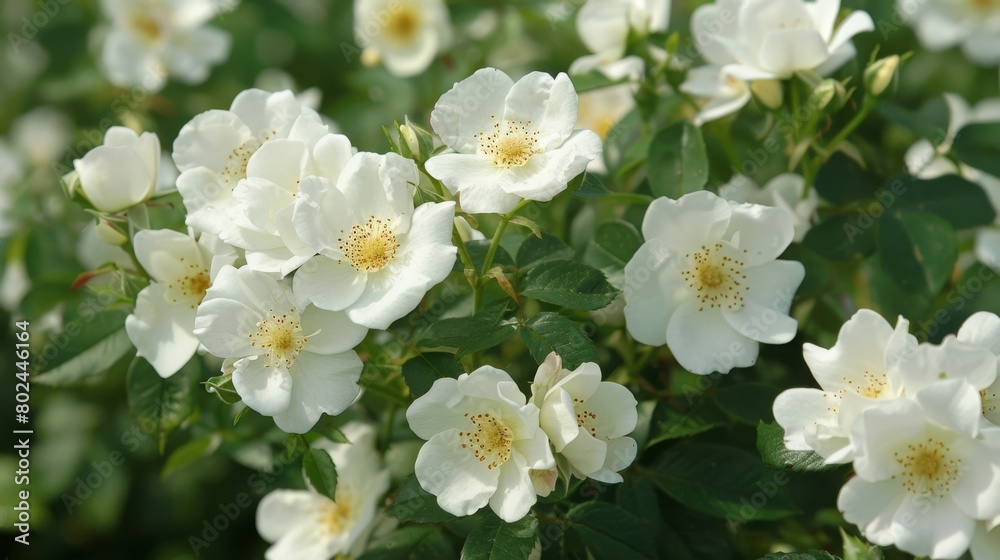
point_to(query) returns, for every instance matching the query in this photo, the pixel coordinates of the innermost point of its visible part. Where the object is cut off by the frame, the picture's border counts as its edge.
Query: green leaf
(90, 365)
(551, 332)
(421, 371)
(978, 146)
(534, 251)
(413, 504)
(613, 245)
(160, 405)
(592, 187)
(917, 250)
(962, 203)
(610, 532)
(891, 299)
(411, 543)
(771, 446)
(494, 539)
(749, 403)
(466, 335)
(319, 470)
(858, 549)
(222, 387)
(932, 129)
(678, 161)
(810, 555)
(843, 237)
(191, 452)
(569, 284)
(723, 482)
(669, 423)
(841, 180)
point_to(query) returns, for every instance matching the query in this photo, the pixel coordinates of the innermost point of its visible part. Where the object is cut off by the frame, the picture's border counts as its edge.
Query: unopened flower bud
(110, 234)
(881, 74)
(768, 93)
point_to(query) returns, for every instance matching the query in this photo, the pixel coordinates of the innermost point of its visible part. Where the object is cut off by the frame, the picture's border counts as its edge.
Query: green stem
(866, 108)
(491, 253)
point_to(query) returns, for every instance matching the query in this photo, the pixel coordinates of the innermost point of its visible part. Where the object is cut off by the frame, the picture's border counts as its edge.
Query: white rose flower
(707, 284)
(405, 34)
(786, 191)
(150, 39)
(120, 173)
(483, 440)
(986, 541)
(260, 220)
(926, 471)
(604, 26)
(765, 40)
(509, 141)
(213, 151)
(289, 362)
(942, 24)
(378, 255)
(306, 525)
(983, 330)
(181, 270)
(586, 419)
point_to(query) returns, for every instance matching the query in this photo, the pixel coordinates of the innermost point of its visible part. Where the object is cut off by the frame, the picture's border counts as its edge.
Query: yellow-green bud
(881, 75)
(768, 93)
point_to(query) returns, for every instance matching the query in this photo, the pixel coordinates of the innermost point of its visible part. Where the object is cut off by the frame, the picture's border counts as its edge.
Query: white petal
(321, 214)
(476, 180)
(515, 493)
(783, 52)
(434, 412)
(586, 453)
(615, 408)
(166, 254)
(267, 390)
(981, 329)
(335, 333)
(380, 185)
(209, 140)
(161, 332)
(114, 178)
(558, 419)
(223, 326)
(548, 173)
(206, 198)
(653, 290)
(282, 510)
(320, 384)
(192, 53)
(621, 453)
(764, 232)
(871, 506)
(462, 484)
(800, 411)
(703, 342)
(470, 108)
(688, 222)
(427, 248)
(954, 404)
(303, 542)
(328, 284)
(856, 22)
(281, 162)
(549, 105)
(942, 532)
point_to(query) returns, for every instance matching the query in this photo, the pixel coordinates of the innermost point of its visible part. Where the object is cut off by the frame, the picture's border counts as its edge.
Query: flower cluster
(919, 422)
(488, 444)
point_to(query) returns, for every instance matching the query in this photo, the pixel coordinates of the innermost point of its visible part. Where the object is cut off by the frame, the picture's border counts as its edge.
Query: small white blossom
(604, 27)
(707, 283)
(926, 471)
(151, 39)
(942, 24)
(378, 255)
(306, 525)
(509, 141)
(748, 40)
(181, 270)
(214, 149)
(983, 331)
(120, 173)
(587, 420)
(288, 362)
(483, 440)
(404, 34)
(786, 191)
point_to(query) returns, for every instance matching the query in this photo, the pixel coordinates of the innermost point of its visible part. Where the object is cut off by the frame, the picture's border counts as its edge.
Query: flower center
(279, 338)
(403, 23)
(336, 516)
(584, 417)
(716, 278)
(984, 5)
(510, 143)
(146, 27)
(370, 246)
(874, 386)
(490, 440)
(989, 401)
(236, 167)
(928, 468)
(189, 289)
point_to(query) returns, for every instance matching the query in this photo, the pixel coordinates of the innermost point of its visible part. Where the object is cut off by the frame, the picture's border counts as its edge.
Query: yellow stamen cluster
(369, 247)
(490, 440)
(337, 516)
(510, 143)
(279, 338)
(716, 279)
(190, 288)
(875, 385)
(146, 27)
(236, 168)
(928, 468)
(584, 416)
(984, 395)
(403, 23)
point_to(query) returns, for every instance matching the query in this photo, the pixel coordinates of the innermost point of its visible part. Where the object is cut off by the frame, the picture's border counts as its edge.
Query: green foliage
(319, 470)
(413, 504)
(551, 332)
(610, 532)
(161, 405)
(771, 446)
(493, 539)
(421, 371)
(678, 161)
